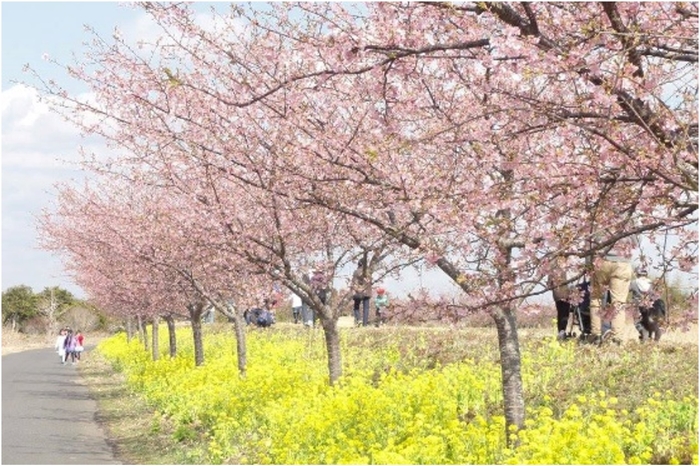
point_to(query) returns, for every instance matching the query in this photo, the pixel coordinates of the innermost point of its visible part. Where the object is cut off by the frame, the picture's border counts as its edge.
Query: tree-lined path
(48, 416)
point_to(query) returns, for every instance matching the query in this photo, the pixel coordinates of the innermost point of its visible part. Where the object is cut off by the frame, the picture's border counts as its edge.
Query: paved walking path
(48, 416)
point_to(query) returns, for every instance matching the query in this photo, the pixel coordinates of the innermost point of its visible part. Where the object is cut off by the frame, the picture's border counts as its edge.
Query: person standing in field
(361, 286)
(611, 272)
(267, 318)
(651, 307)
(296, 307)
(319, 285)
(561, 295)
(60, 345)
(381, 302)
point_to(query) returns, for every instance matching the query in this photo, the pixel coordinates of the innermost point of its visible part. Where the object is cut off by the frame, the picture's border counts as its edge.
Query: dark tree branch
(610, 9)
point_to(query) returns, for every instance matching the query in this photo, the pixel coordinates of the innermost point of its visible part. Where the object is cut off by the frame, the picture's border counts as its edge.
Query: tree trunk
(196, 311)
(172, 339)
(155, 345)
(51, 314)
(512, 383)
(330, 332)
(241, 351)
(229, 310)
(143, 331)
(129, 329)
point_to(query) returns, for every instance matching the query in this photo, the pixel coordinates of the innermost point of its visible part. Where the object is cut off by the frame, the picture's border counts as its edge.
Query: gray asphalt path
(48, 416)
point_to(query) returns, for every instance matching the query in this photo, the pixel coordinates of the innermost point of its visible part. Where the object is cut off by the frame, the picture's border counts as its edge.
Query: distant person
(297, 306)
(381, 302)
(612, 272)
(361, 286)
(260, 316)
(651, 311)
(80, 339)
(583, 307)
(70, 345)
(61, 345)
(268, 315)
(275, 297)
(561, 296)
(319, 285)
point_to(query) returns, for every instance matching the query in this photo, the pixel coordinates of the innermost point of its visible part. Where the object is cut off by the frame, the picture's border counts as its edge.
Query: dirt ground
(680, 336)
(13, 342)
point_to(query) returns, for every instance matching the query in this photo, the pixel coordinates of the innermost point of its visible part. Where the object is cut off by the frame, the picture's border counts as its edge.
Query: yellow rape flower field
(407, 396)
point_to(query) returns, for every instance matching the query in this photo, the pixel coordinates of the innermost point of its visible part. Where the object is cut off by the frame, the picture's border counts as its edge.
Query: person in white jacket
(297, 306)
(60, 345)
(642, 294)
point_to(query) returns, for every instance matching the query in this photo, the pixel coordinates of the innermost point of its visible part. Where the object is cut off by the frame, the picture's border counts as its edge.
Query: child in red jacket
(79, 347)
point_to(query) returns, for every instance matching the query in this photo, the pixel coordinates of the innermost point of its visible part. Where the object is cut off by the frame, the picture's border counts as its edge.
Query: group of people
(361, 288)
(261, 316)
(600, 302)
(604, 300)
(69, 344)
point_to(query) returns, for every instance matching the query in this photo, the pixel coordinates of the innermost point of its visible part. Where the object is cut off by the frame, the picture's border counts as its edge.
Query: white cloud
(17, 103)
(36, 146)
(220, 24)
(140, 28)
(32, 135)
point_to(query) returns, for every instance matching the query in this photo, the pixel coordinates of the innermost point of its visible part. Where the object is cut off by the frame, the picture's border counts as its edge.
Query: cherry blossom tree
(487, 139)
(196, 232)
(125, 249)
(551, 174)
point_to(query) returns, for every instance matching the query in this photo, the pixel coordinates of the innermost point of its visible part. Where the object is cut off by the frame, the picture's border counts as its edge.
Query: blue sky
(30, 29)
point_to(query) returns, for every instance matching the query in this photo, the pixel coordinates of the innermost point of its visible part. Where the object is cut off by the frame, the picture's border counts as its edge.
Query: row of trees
(23, 310)
(486, 139)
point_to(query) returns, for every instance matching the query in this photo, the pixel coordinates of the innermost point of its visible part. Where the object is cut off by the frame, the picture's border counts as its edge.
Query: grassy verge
(127, 419)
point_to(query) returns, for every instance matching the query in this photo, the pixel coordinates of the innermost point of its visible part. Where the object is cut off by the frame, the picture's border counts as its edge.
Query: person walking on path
(60, 345)
(361, 286)
(79, 348)
(319, 284)
(70, 345)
